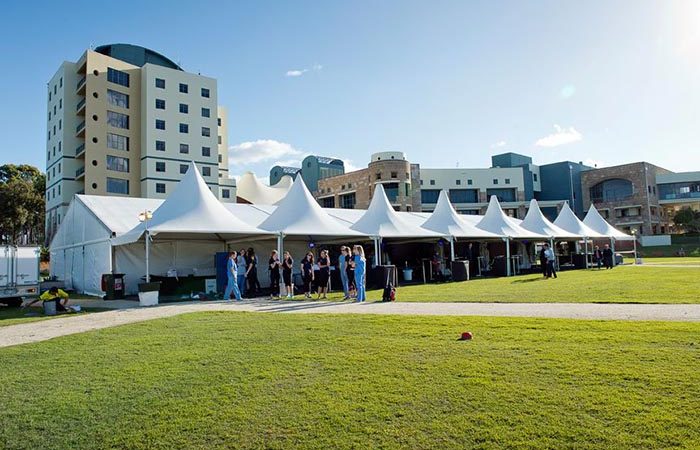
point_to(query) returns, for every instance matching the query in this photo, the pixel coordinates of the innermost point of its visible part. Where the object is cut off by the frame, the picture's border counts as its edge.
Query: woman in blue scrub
(232, 282)
(360, 264)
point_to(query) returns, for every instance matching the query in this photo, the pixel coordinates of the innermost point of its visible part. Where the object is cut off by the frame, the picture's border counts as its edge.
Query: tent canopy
(597, 223)
(191, 211)
(381, 220)
(568, 221)
(298, 214)
(252, 190)
(445, 220)
(536, 222)
(497, 222)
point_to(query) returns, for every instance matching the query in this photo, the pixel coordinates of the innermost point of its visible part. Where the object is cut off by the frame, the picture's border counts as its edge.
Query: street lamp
(145, 217)
(634, 236)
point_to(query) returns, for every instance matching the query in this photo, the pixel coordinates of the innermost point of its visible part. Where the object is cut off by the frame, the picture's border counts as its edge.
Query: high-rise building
(125, 120)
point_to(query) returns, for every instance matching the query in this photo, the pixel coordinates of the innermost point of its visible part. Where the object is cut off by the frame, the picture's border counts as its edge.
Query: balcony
(80, 87)
(80, 129)
(81, 107)
(80, 173)
(80, 151)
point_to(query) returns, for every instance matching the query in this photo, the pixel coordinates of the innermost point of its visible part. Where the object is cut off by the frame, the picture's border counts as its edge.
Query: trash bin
(149, 293)
(460, 270)
(50, 307)
(408, 274)
(113, 285)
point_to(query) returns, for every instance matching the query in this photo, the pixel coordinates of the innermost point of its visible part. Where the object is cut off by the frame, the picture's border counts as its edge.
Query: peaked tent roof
(252, 190)
(536, 221)
(596, 222)
(445, 220)
(191, 209)
(569, 222)
(298, 214)
(497, 222)
(381, 220)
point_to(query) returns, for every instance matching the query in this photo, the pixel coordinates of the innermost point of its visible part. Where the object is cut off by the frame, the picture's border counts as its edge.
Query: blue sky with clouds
(447, 82)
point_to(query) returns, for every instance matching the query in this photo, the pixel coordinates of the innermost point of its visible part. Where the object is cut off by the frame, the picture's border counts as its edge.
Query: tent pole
(612, 247)
(551, 245)
(280, 245)
(376, 252)
(452, 248)
(148, 251)
(585, 251)
(507, 257)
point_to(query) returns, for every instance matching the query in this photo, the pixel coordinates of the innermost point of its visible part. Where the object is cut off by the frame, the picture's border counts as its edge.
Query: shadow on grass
(528, 280)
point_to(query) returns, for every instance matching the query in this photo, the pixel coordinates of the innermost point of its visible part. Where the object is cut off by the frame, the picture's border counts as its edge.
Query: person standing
(242, 268)
(608, 257)
(549, 254)
(252, 273)
(350, 268)
(543, 261)
(360, 266)
(343, 269)
(324, 272)
(287, 265)
(232, 275)
(274, 268)
(307, 273)
(598, 256)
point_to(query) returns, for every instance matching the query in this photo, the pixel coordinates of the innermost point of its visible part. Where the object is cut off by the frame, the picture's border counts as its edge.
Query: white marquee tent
(597, 223)
(536, 222)
(568, 221)
(252, 190)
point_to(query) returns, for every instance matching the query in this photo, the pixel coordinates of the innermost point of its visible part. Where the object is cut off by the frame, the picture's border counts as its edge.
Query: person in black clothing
(598, 256)
(307, 273)
(608, 257)
(543, 262)
(350, 269)
(252, 273)
(324, 271)
(287, 265)
(274, 268)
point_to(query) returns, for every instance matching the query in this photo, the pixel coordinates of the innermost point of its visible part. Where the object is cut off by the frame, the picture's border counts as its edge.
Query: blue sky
(447, 82)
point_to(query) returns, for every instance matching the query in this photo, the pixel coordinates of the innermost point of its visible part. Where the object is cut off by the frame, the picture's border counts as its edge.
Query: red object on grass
(466, 336)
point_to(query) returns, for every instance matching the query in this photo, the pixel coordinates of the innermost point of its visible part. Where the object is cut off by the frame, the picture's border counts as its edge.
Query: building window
(394, 174)
(220, 158)
(206, 151)
(60, 82)
(206, 132)
(117, 77)
(206, 112)
(378, 175)
(117, 99)
(184, 108)
(495, 181)
(429, 196)
(534, 177)
(464, 196)
(206, 171)
(160, 146)
(160, 103)
(503, 195)
(160, 83)
(184, 128)
(183, 168)
(432, 182)
(205, 92)
(328, 202)
(219, 140)
(218, 121)
(117, 142)
(347, 201)
(507, 180)
(183, 88)
(225, 193)
(160, 188)
(458, 182)
(470, 182)
(59, 146)
(160, 166)
(118, 120)
(117, 163)
(421, 182)
(60, 124)
(117, 186)
(611, 190)
(160, 124)
(60, 103)
(184, 148)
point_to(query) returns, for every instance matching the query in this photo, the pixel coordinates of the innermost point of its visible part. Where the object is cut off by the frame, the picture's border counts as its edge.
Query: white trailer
(19, 273)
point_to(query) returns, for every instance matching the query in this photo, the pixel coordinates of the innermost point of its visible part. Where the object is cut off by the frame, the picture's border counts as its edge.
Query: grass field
(245, 380)
(14, 316)
(688, 260)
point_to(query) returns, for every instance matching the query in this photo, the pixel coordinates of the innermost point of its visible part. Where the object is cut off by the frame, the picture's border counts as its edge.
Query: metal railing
(81, 103)
(80, 149)
(80, 126)
(79, 172)
(80, 84)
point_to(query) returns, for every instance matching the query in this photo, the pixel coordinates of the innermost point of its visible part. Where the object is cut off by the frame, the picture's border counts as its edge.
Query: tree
(22, 190)
(688, 219)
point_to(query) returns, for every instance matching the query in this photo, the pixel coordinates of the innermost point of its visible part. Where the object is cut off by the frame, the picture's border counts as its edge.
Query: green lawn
(14, 316)
(688, 260)
(246, 380)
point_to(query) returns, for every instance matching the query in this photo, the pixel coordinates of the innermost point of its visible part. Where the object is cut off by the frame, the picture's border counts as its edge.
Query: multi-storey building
(125, 120)
(313, 168)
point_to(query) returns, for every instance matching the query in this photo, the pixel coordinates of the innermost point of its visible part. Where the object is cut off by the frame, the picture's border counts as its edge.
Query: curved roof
(136, 55)
(326, 160)
(252, 190)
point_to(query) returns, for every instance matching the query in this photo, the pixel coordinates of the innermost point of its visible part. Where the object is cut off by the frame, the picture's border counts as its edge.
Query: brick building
(626, 195)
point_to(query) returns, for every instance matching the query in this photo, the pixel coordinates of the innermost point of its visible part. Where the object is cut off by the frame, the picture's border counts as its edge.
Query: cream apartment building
(125, 120)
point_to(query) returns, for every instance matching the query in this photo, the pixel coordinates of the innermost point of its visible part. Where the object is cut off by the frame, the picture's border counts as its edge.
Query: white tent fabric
(497, 222)
(381, 220)
(597, 223)
(568, 221)
(252, 190)
(192, 212)
(536, 222)
(298, 214)
(445, 220)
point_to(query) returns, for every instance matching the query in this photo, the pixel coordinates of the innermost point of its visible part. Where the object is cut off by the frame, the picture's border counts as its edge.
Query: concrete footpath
(129, 312)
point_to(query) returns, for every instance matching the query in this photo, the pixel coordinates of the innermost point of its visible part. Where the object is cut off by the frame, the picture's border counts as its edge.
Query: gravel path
(48, 329)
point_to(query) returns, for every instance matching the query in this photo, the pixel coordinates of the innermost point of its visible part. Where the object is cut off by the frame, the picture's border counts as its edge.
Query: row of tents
(103, 234)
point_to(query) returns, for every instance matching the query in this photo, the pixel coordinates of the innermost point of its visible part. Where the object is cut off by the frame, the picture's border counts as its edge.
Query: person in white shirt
(549, 254)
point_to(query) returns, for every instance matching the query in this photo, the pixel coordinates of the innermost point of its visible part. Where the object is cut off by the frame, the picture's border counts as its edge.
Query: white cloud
(594, 163)
(499, 144)
(288, 162)
(567, 92)
(349, 166)
(561, 136)
(260, 151)
(299, 72)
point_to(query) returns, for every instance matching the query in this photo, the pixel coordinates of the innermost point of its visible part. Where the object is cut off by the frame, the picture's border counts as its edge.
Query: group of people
(548, 261)
(242, 276)
(603, 257)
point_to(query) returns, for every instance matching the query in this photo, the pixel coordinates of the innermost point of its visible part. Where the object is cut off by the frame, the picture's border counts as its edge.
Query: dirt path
(48, 329)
